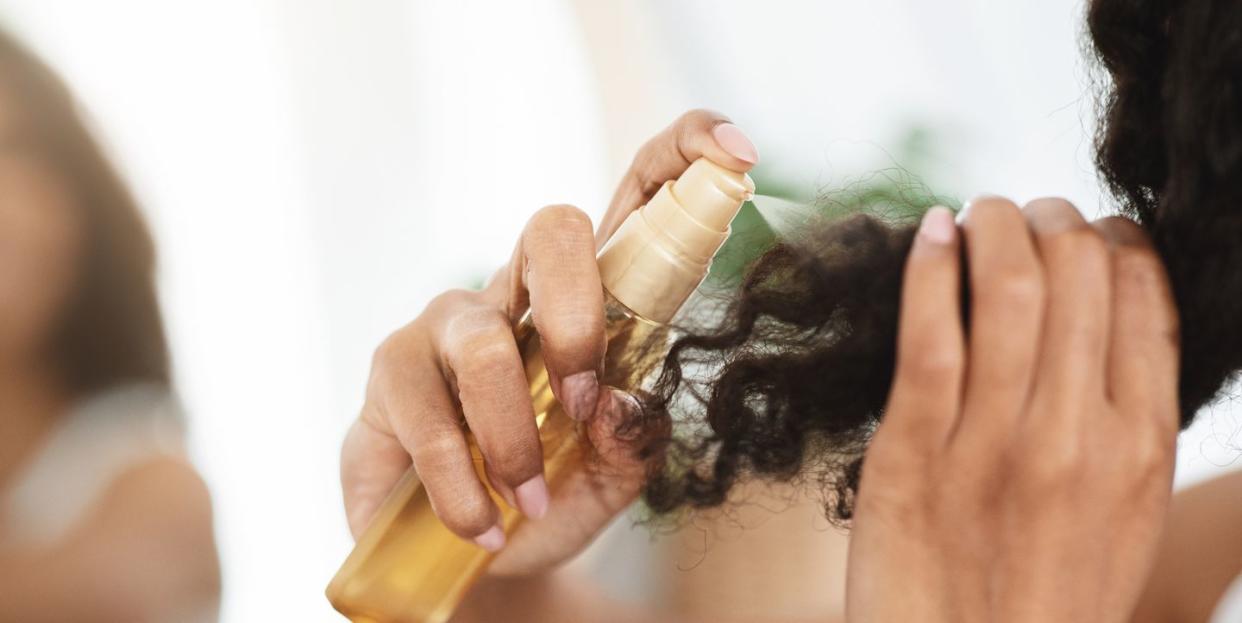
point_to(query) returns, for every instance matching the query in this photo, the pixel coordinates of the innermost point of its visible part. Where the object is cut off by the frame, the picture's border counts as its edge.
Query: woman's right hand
(458, 362)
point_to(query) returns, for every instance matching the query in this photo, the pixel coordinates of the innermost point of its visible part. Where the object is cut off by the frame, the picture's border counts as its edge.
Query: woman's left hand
(1021, 473)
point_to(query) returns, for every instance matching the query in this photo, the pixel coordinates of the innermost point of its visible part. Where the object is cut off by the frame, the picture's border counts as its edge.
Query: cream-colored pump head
(662, 251)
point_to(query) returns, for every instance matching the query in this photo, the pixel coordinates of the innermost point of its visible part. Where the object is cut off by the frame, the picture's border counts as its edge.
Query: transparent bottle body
(407, 567)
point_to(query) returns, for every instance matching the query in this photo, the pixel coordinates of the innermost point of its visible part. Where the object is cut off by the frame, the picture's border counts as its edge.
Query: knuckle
(515, 460)
(655, 150)
(1140, 281)
(696, 120)
(1154, 449)
(1015, 291)
(1052, 215)
(482, 357)
(1050, 469)
(990, 205)
(642, 170)
(1079, 251)
(1138, 269)
(478, 338)
(932, 364)
(1122, 231)
(895, 480)
(1138, 263)
(698, 117)
(436, 453)
(467, 514)
(572, 329)
(1083, 244)
(388, 352)
(1051, 204)
(465, 509)
(448, 304)
(398, 349)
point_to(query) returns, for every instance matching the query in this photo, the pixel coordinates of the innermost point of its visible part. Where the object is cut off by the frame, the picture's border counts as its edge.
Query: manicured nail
(492, 540)
(580, 393)
(532, 497)
(734, 141)
(938, 226)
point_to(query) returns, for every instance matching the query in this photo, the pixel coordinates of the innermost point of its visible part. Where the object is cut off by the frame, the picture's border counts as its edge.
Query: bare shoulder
(155, 520)
(145, 551)
(165, 488)
(1201, 554)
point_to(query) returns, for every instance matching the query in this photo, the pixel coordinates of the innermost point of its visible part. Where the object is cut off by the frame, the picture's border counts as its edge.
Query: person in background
(102, 518)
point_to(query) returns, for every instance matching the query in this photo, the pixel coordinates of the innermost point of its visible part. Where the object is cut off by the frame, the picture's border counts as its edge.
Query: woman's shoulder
(102, 439)
(113, 487)
(1200, 559)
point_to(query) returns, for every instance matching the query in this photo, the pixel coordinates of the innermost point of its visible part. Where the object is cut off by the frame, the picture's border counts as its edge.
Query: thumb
(590, 495)
(612, 473)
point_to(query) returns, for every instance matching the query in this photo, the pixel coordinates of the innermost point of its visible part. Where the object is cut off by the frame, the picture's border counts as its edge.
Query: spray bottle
(407, 567)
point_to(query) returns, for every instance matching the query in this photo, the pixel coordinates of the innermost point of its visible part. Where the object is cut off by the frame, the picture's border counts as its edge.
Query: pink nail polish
(492, 540)
(532, 497)
(938, 226)
(734, 141)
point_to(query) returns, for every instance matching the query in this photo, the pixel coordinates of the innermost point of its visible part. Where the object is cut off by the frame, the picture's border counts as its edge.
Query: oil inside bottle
(408, 567)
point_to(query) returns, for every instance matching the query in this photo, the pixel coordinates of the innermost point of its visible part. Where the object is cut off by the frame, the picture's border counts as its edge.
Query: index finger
(557, 272)
(931, 350)
(695, 134)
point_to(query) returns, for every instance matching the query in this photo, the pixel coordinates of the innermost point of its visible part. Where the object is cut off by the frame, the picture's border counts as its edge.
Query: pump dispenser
(407, 567)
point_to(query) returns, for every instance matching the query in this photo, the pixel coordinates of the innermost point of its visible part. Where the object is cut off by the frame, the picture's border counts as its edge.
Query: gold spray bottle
(407, 567)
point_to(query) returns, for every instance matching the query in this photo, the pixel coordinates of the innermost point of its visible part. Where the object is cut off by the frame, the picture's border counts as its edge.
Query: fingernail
(532, 497)
(492, 540)
(974, 201)
(734, 141)
(938, 226)
(581, 391)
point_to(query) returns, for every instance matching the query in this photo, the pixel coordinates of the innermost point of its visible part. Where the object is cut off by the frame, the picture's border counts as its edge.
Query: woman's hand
(1023, 467)
(459, 359)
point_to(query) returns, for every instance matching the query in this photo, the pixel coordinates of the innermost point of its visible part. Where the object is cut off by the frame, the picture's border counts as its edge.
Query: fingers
(408, 393)
(588, 496)
(1143, 353)
(1006, 309)
(696, 134)
(557, 270)
(482, 359)
(930, 342)
(1075, 337)
(372, 461)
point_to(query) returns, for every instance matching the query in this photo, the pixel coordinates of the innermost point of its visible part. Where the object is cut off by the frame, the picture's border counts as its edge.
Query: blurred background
(315, 170)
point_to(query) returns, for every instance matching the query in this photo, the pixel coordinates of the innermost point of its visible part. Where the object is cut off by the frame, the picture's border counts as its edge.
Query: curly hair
(791, 376)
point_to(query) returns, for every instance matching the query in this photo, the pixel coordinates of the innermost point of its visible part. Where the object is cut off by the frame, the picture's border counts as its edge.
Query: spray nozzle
(662, 251)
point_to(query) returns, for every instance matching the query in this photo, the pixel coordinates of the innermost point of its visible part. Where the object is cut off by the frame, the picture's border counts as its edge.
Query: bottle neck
(662, 251)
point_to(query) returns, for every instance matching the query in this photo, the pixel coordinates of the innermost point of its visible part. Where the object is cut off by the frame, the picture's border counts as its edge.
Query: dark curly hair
(791, 376)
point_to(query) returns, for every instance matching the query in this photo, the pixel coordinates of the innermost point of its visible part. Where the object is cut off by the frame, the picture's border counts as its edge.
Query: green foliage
(897, 194)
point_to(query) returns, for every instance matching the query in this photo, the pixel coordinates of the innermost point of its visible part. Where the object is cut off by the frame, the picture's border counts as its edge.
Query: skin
(150, 531)
(1022, 474)
(1200, 554)
(461, 351)
(39, 239)
(972, 506)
